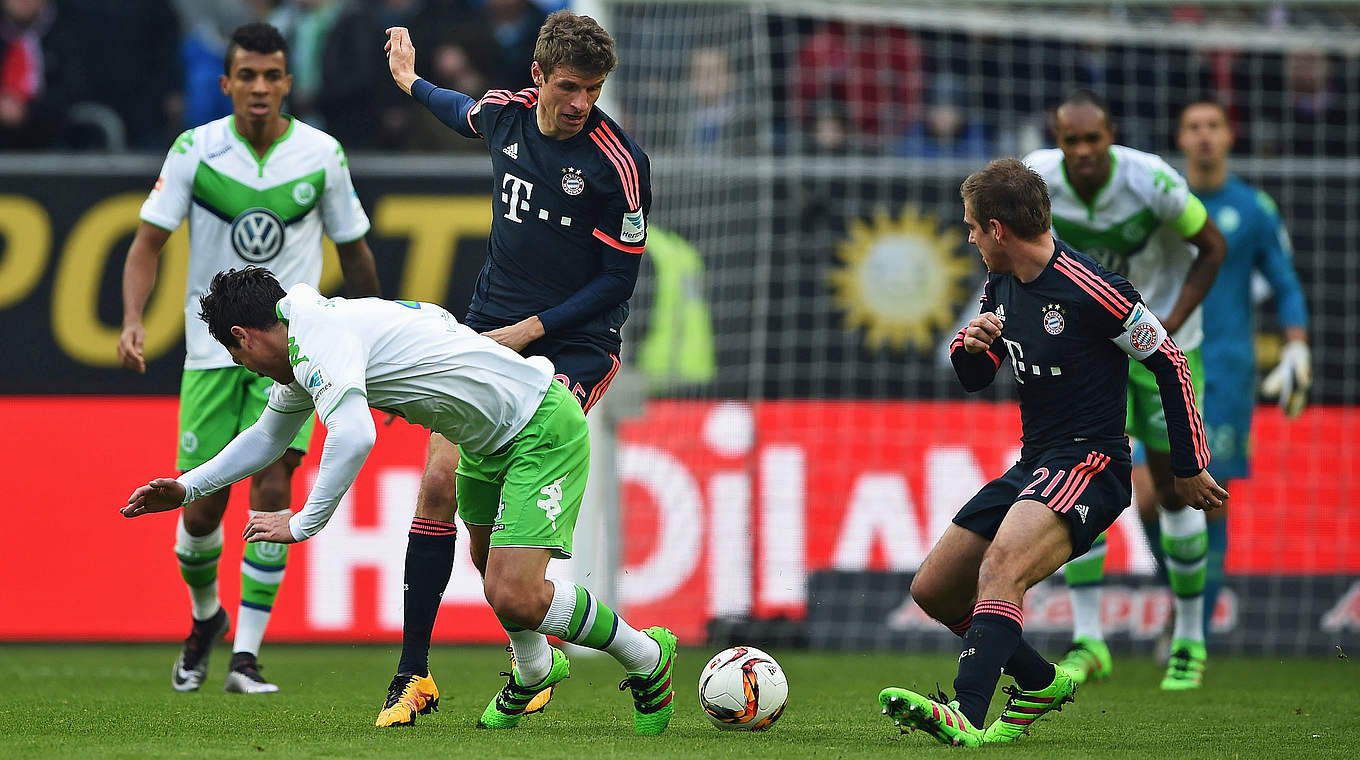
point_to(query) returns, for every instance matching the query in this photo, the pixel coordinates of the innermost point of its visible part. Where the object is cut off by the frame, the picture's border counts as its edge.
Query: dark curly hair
(245, 297)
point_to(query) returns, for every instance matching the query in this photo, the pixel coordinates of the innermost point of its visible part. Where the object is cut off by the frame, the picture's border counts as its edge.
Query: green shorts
(217, 404)
(1144, 420)
(530, 491)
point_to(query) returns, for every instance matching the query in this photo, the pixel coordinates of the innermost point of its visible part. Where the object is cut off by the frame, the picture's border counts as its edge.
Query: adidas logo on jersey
(1001, 312)
(511, 150)
(1082, 509)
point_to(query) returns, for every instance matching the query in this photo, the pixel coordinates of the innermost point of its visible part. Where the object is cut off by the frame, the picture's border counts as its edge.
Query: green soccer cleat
(1025, 707)
(944, 722)
(1185, 670)
(652, 694)
(1087, 659)
(509, 705)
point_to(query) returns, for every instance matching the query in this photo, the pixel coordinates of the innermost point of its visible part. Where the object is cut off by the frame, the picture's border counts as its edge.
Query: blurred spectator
(514, 27)
(337, 65)
(205, 29)
(718, 120)
(872, 73)
(945, 131)
(1316, 112)
(129, 49)
(39, 75)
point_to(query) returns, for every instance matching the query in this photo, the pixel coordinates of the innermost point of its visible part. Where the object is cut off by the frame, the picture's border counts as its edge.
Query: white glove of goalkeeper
(1291, 378)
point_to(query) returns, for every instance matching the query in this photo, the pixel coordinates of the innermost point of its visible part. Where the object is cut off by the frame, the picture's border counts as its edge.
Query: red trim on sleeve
(1104, 293)
(610, 145)
(612, 243)
(1173, 352)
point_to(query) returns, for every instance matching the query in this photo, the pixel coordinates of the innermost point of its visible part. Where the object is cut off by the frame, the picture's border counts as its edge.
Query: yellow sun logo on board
(900, 279)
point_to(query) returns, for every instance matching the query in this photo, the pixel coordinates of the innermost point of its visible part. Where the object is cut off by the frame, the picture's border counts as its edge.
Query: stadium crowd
(68, 83)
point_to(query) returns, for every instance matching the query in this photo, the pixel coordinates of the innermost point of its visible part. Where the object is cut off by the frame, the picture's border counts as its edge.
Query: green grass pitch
(88, 701)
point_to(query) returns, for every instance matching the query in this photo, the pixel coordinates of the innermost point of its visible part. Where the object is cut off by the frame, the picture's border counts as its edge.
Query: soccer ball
(743, 689)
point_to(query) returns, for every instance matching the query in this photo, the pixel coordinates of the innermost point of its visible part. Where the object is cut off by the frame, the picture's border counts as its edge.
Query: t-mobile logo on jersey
(513, 200)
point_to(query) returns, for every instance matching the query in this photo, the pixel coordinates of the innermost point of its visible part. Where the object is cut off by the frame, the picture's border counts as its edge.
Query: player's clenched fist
(401, 57)
(981, 331)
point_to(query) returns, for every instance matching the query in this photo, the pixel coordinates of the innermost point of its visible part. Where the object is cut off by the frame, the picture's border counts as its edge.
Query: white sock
(203, 598)
(533, 655)
(1086, 613)
(250, 625)
(1182, 525)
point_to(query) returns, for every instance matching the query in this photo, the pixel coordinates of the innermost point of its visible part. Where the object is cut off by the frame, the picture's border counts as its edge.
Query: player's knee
(929, 593)
(478, 555)
(1000, 570)
(513, 601)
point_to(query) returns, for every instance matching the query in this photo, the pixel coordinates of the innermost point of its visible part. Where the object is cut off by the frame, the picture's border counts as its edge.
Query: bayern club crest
(1054, 322)
(573, 183)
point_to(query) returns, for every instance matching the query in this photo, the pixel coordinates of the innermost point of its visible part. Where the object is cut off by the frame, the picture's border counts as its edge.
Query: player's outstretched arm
(350, 435)
(973, 354)
(160, 495)
(401, 57)
(139, 277)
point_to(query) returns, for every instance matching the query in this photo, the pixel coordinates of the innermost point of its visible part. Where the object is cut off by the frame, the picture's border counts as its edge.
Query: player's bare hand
(160, 495)
(1201, 491)
(981, 332)
(518, 335)
(401, 57)
(130, 347)
(268, 526)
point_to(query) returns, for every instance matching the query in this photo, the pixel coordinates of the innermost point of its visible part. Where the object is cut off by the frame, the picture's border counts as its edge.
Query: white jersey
(245, 210)
(1136, 226)
(410, 358)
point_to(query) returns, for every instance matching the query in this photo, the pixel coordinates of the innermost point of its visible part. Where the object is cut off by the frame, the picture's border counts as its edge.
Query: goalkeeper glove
(1291, 378)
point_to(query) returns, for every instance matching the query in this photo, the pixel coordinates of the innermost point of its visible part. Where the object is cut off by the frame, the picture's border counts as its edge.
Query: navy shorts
(584, 368)
(1088, 487)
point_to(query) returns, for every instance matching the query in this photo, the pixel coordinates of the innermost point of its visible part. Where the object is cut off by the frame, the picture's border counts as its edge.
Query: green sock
(198, 557)
(1086, 578)
(577, 616)
(1185, 541)
(262, 567)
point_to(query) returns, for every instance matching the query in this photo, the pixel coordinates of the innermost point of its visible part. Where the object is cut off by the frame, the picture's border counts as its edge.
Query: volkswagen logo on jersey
(257, 235)
(572, 181)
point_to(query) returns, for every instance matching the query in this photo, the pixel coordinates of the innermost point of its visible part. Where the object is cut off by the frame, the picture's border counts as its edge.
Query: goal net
(804, 440)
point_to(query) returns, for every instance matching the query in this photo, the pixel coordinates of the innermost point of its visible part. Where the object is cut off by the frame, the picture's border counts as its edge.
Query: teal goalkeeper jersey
(1257, 241)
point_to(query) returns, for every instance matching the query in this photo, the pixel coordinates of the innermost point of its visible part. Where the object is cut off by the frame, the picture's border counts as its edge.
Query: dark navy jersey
(563, 211)
(1069, 334)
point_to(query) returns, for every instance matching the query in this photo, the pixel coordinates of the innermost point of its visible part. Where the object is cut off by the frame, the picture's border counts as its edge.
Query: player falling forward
(339, 356)
(258, 187)
(1257, 241)
(1134, 214)
(1068, 326)
(567, 234)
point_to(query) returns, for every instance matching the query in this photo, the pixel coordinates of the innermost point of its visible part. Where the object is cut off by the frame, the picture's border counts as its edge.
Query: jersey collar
(250, 150)
(1095, 201)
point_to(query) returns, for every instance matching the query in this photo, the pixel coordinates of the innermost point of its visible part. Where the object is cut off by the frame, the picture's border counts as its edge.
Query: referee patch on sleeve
(634, 227)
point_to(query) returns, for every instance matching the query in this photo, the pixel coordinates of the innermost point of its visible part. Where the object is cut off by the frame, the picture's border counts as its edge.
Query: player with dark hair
(570, 200)
(1069, 327)
(258, 187)
(1133, 213)
(1257, 242)
(339, 357)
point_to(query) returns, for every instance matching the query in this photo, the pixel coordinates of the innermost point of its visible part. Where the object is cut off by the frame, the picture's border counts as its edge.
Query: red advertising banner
(727, 508)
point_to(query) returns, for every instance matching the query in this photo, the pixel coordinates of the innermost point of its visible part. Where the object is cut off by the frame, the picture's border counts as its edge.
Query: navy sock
(1031, 670)
(1213, 571)
(429, 563)
(988, 645)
